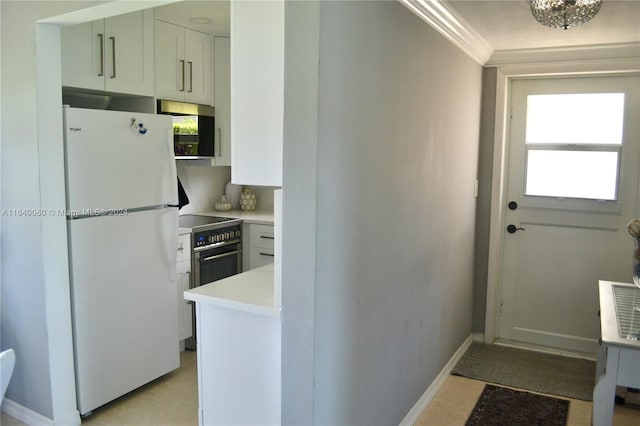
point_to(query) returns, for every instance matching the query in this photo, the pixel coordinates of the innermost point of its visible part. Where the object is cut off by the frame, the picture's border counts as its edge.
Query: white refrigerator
(122, 228)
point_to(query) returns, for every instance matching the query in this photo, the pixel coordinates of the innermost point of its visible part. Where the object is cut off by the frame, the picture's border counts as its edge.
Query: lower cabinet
(260, 249)
(239, 370)
(183, 271)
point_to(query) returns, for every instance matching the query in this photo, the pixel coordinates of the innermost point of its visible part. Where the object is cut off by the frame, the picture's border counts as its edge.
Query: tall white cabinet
(183, 64)
(113, 54)
(222, 99)
(257, 92)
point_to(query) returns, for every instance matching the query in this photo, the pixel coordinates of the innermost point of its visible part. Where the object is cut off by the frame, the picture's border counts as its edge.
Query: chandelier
(564, 13)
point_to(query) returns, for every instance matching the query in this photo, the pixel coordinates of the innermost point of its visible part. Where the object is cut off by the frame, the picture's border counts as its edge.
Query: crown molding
(595, 52)
(448, 23)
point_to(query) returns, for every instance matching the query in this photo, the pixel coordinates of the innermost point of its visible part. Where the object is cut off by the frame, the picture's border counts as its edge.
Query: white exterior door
(572, 189)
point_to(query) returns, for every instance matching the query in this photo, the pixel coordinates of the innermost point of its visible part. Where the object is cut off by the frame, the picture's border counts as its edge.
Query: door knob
(512, 229)
(512, 205)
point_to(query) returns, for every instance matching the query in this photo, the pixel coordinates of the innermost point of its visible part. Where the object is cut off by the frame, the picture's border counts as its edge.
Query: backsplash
(205, 185)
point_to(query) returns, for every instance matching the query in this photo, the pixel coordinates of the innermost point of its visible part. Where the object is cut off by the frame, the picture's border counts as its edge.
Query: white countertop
(256, 216)
(250, 291)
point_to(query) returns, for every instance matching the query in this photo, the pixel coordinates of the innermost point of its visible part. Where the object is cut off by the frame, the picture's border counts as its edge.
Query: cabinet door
(129, 53)
(170, 65)
(197, 51)
(185, 329)
(257, 90)
(82, 48)
(222, 96)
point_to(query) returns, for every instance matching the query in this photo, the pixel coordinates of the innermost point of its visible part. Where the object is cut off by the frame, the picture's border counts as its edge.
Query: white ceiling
(180, 13)
(508, 24)
(504, 24)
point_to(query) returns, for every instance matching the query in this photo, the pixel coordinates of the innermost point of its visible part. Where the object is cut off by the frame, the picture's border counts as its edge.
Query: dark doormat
(539, 372)
(503, 406)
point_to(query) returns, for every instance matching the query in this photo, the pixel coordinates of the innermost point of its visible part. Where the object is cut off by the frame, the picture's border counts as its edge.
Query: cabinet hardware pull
(101, 37)
(267, 254)
(182, 61)
(266, 237)
(190, 76)
(219, 143)
(113, 55)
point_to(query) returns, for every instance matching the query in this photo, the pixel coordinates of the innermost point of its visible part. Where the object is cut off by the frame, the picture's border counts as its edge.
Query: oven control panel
(220, 235)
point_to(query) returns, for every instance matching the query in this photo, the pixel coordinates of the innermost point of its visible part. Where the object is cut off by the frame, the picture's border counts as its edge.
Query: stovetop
(194, 220)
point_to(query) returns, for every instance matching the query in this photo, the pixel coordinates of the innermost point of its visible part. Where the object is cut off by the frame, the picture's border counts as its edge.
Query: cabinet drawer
(184, 247)
(261, 236)
(260, 257)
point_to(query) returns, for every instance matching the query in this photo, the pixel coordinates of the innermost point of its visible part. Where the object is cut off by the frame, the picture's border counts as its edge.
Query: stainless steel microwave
(193, 128)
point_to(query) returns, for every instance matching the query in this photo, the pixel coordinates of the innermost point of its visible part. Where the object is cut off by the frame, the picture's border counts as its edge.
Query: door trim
(504, 76)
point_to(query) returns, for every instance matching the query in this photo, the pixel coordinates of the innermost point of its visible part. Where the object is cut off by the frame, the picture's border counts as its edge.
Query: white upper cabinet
(183, 64)
(257, 91)
(113, 54)
(222, 97)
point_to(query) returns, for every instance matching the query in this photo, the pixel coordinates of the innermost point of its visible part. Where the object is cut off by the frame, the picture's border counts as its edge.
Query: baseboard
(412, 417)
(30, 417)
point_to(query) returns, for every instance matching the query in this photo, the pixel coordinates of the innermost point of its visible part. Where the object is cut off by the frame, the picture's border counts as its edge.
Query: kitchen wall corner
(204, 185)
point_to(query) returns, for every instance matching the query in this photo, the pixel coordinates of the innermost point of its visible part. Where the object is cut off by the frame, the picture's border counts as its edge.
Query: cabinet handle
(113, 55)
(182, 61)
(219, 143)
(267, 254)
(266, 237)
(101, 38)
(190, 76)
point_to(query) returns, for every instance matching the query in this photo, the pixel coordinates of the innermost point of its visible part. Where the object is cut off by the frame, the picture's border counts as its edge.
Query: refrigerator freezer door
(125, 312)
(111, 164)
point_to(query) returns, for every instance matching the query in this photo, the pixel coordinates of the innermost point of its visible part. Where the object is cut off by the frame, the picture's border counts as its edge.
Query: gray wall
(25, 315)
(397, 152)
(483, 205)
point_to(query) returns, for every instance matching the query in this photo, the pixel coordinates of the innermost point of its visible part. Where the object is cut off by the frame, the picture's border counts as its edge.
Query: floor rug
(535, 371)
(502, 406)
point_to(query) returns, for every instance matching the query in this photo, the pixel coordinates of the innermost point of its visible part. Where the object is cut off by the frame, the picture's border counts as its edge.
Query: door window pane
(573, 144)
(572, 174)
(585, 118)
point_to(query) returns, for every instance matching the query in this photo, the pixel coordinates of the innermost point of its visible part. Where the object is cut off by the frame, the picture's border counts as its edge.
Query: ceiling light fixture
(564, 14)
(200, 21)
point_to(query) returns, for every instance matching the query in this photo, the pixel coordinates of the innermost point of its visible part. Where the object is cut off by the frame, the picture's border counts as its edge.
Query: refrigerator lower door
(125, 311)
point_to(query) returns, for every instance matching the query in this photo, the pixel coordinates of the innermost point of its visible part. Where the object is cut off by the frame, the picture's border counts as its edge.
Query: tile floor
(456, 398)
(173, 401)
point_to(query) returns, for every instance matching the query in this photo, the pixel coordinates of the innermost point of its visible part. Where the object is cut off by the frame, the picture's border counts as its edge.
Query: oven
(217, 254)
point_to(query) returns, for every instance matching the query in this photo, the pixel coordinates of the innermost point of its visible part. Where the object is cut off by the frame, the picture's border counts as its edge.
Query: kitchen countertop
(256, 216)
(251, 291)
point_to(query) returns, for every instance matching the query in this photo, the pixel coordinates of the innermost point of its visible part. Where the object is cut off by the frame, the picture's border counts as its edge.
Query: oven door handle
(218, 256)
